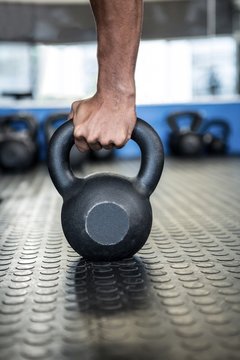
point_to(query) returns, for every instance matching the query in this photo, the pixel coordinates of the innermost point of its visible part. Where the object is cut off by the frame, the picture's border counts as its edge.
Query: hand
(103, 122)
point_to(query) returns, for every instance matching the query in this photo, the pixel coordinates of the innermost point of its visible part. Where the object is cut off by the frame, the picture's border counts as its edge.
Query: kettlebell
(185, 141)
(18, 142)
(52, 122)
(106, 216)
(216, 145)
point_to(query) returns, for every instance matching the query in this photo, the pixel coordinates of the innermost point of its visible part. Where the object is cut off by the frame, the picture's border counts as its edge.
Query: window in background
(163, 72)
(66, 72)
(15, 68)
(214, 67)
(186, 70)
(166, 72)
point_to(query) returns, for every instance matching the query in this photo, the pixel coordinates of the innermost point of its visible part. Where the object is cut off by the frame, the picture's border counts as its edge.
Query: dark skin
(108, 118)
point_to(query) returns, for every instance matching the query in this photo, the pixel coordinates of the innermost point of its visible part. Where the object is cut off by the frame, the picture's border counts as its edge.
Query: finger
(70, 116)
(95, 146)
(108, 147)
(74, 107)
(81, 144)
(120, 143)
(119, 146)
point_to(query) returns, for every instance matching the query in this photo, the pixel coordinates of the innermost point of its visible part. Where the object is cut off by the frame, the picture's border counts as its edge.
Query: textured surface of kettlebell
(106, 216)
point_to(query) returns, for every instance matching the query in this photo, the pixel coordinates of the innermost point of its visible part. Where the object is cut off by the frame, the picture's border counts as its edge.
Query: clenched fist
(103, 122)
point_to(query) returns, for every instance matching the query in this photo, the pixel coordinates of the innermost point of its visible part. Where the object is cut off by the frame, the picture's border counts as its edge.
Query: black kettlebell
(185, 141)
(106, 216)
(216, 145)
(18, 142)
(52, 122)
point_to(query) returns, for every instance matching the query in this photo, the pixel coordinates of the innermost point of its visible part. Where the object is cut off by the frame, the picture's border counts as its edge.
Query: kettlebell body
(110, 214)
(216, 145)
(105, 216)
(185, 142)
(18, 148)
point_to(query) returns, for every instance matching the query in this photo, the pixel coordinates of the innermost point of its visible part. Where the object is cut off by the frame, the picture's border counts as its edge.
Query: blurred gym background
(188, 61)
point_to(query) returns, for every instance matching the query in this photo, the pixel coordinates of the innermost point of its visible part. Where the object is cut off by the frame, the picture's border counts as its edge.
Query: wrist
(116, 98)
(116, 84)
(118, 90)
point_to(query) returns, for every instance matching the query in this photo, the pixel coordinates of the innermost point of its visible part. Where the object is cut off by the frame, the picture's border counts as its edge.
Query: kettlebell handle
(144, 135)
(50, 121)
(218, 123)
(195, 120)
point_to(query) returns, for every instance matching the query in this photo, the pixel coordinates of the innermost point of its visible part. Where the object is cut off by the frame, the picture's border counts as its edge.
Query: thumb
(70, 116)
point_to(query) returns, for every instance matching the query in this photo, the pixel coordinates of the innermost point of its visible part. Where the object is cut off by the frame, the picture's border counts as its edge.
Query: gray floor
(179, 298)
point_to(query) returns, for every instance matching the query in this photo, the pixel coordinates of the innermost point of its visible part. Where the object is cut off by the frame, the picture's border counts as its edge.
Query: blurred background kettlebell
(185, 140)
(18, 142)
(215, 136)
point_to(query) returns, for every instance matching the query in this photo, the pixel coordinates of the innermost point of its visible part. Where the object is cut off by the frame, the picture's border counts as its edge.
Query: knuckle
(96, 147)
(119, 144)
(75, 104)
(129, 136)
(120, 141)
(82, 147)
(108, 147)
(75, 131)
(78, 132)
(107, 142)
(92, 139)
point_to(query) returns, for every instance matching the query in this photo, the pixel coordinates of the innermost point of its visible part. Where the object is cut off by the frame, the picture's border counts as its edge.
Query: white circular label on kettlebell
(107, 223)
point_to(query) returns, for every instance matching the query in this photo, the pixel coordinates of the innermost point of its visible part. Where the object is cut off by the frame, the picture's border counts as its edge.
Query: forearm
(108, 118)
(119, 24)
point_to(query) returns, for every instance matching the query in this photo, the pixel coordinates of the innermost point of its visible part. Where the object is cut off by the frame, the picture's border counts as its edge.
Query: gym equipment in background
(215, 136)
(18, 142)
(18, 95)
(185, 141)
(106, 216)
(51, 124)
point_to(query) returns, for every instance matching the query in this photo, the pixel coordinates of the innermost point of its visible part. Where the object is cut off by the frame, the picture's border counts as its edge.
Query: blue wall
(156, 116)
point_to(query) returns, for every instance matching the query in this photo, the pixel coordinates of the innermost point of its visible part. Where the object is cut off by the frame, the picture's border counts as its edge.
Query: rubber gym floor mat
(178, 298)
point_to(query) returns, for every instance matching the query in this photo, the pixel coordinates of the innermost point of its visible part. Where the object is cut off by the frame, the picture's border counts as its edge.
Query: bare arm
(107, 119)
